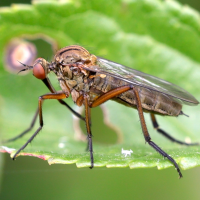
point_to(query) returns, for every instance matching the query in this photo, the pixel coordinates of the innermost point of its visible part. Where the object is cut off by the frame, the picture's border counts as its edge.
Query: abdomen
(152, 101)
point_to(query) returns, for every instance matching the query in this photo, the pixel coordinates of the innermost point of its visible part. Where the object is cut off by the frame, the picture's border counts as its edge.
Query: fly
(92, 80)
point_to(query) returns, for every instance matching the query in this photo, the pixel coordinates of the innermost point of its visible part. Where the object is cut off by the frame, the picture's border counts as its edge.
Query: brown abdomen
(151, 100)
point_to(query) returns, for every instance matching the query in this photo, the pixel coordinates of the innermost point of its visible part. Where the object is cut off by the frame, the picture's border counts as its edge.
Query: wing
(143, 80)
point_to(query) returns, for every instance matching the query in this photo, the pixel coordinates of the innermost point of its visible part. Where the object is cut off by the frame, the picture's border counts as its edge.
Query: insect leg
(156, 126)
(88, 127)
(146, 133)
(51, 88)
(41, 99)
(26, 131)
(89, 116)
(109, 95)
(117, 91)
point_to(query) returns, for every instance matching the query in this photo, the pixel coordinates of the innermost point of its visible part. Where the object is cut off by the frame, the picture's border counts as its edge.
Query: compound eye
(38, 71)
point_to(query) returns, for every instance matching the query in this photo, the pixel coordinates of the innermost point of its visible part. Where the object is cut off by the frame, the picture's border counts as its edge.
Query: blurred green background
(32, 178)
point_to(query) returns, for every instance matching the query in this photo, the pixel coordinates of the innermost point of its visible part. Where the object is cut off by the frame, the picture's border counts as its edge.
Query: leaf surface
(161, 38)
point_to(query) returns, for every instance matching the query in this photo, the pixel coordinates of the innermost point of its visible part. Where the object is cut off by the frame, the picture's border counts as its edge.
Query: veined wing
(143, 80)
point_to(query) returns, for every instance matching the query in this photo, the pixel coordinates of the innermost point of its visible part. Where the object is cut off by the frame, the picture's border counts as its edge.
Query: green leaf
(161, 38)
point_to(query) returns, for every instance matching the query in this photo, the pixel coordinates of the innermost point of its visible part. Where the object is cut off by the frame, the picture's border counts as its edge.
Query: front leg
(59, 95)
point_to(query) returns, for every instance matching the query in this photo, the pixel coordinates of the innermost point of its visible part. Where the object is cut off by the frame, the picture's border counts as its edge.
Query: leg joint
(147, 138)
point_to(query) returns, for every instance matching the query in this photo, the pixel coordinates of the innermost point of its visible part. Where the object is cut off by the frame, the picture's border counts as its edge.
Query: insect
(91, 81)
